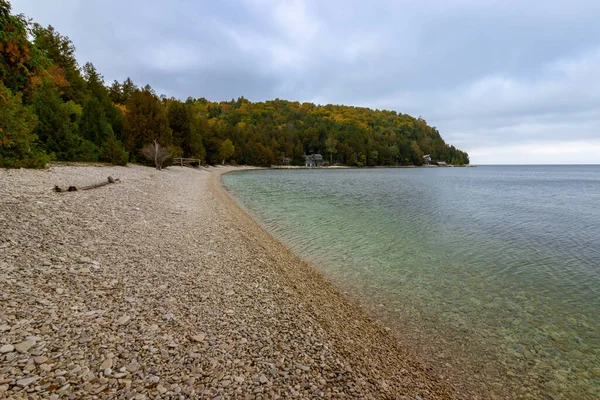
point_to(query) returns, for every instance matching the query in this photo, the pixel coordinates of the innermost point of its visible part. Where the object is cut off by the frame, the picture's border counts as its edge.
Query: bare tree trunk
(156, 158)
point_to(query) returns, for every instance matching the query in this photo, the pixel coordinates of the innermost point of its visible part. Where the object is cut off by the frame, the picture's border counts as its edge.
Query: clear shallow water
(492, 273)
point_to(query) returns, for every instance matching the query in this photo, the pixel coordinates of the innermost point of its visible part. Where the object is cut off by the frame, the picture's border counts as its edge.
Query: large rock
(24, 347)
(27, 381)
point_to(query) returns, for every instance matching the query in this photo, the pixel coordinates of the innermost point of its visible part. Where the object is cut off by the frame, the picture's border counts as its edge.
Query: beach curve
(163, 287)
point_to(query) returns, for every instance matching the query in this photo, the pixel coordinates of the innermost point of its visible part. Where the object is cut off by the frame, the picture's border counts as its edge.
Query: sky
(510, 82)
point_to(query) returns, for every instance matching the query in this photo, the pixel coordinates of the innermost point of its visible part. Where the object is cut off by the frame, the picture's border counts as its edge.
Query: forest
(51, 109)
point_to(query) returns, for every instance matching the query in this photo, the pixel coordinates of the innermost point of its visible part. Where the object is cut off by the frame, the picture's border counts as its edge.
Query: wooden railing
(187, 162)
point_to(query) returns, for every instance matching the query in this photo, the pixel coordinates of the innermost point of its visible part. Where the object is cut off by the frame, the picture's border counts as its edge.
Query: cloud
(507, 74)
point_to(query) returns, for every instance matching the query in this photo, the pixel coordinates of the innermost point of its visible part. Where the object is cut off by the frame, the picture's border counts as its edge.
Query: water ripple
(498, 266)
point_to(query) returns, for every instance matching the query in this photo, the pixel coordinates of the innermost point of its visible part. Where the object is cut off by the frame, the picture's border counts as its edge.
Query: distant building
(313, 160)
(427, 159)
(287, 160)
(442, 164)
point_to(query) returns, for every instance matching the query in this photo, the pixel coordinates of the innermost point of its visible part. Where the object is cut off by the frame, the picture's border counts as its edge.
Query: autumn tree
(331, 146)
(226, 150)
(21, 62)
(61, 51)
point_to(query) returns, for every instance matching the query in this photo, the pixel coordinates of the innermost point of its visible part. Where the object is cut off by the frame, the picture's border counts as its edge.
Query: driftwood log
(96, 185)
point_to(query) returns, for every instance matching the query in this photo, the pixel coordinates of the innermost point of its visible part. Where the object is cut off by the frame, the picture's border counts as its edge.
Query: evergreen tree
(92, 123)
(61, 51)
(145, 121)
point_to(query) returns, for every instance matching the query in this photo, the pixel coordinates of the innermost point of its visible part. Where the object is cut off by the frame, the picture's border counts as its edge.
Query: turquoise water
(491, 274)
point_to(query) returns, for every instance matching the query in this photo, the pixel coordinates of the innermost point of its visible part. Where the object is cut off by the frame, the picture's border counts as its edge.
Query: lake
(491, 275)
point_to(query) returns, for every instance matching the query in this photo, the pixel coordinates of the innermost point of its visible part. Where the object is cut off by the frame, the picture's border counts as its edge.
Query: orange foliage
(121, 107)
(57, 76)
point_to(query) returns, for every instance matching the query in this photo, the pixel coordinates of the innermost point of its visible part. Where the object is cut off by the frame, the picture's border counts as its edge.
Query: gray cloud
(508, 81)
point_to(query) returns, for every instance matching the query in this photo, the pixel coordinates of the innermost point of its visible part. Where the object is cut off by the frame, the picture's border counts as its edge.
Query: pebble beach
(161, 286)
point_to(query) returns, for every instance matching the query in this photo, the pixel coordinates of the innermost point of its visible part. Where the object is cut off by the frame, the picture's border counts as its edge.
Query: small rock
(226, 383)
(60, 290)
(119, 375)
(23, 347)
(85, 338)
(29, 367)
(263, 379)
(27, 381)
(199, 338)
(195, 355)
(229, 293)
(123, 320)
(305, 368)
(161, 389)
(4, 328)
(133, 367)
(168, 316)
(107, 363)
(7, 348)
(239, 379)
(40, 359)
(130, 299)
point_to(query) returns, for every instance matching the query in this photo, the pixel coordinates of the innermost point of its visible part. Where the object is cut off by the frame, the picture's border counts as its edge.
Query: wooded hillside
(51, 109)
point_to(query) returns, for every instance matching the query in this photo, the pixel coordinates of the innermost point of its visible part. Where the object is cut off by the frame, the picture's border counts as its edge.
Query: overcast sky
(511, 82)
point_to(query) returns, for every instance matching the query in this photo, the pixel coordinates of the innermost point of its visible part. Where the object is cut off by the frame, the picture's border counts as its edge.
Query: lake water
(489, 274)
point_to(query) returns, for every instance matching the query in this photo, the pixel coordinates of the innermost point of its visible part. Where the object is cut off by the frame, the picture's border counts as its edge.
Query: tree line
(51, 109)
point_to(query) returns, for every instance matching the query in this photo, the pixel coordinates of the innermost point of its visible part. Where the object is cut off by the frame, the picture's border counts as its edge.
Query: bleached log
(96, 185)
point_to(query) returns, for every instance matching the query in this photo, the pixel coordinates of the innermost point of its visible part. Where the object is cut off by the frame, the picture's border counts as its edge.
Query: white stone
(7, 348)
(27, 381)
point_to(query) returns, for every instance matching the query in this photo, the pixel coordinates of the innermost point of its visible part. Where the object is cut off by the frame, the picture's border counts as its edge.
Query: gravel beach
(160, 286)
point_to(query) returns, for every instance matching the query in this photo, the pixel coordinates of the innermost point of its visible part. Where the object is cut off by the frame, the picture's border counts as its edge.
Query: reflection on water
(491, 272)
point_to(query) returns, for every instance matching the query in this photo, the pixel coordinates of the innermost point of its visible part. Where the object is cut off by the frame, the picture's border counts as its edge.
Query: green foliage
(113, 150)
(18, 146)
(20, 61)
(226, 149)
(92, 124)
(187, 128)
(57, 127)
(61, 51)
(146, 120)
(79, 118)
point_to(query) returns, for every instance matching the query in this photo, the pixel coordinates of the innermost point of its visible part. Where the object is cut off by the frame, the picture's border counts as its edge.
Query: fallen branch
(96, 185)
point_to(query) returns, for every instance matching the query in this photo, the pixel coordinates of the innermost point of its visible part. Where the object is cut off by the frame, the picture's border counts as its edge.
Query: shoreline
(337, 311)
(163, 286)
